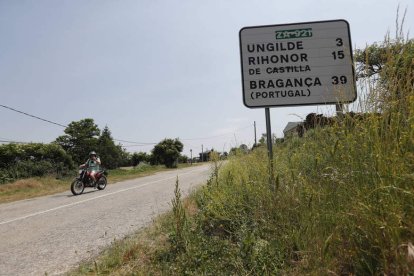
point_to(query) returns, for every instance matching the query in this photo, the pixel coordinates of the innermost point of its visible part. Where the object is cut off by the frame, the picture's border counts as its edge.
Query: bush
(22, 161)
(167, 152)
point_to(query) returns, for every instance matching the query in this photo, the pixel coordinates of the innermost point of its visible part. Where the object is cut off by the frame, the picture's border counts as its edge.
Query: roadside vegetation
(342, 202)
(36, 169)
(46, 185)
(61, 157)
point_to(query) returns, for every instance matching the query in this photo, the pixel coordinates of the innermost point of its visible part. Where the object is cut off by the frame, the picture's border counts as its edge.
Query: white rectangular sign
(297, 64)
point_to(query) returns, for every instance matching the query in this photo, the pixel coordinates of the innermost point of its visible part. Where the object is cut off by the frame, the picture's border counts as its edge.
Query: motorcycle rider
(92, 165)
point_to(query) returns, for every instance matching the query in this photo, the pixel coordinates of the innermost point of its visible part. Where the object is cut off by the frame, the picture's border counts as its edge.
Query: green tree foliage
(263, 139)
(35, 159)
(242, 149)
(167, 152)
(153, 160)
(371, 60)
(387, 62)
(84, 136)
(81, 137)
(138, 157)
(398, 75)
(207, 155)
(125, 159)
(375, 58)
(183, 159)
(110, 154)
(389, 68)
(135, 159)
(12, 153)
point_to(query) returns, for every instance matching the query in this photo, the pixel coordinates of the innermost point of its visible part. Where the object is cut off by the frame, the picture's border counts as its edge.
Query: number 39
(336, 80)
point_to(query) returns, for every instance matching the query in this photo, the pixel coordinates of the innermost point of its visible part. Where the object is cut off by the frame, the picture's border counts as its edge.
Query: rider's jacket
(92, 165)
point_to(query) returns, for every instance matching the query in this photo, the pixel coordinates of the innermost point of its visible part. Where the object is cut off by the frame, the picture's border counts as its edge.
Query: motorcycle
(84, 180)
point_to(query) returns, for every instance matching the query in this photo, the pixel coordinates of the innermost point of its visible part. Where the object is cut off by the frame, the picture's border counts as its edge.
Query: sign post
(269, 147)
(296, 64)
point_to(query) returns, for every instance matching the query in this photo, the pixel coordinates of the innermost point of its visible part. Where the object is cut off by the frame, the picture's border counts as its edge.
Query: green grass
(41, 186)
(343, 202)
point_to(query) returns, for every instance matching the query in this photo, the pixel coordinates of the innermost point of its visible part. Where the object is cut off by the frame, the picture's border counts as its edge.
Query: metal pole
(339, 110)
(269, 147)
(191, 158)
(202, 154)
(255, 137)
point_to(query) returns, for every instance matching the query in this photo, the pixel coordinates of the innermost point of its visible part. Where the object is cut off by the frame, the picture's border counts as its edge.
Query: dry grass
(32, 187)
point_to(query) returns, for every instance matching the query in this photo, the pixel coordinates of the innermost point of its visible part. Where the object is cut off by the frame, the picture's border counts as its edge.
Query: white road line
(97, 197)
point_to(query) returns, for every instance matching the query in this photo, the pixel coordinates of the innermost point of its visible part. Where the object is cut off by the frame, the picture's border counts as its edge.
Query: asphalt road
(53, 234)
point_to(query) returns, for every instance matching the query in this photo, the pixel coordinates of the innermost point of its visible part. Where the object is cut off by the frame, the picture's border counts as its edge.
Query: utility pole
(202, 153)
(255, 137)
(191, 158)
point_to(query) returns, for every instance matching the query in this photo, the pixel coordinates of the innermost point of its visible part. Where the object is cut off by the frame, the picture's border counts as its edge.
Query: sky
(152, 69)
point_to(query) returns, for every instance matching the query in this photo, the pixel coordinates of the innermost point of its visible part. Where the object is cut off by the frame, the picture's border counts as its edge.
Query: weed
(177, 236)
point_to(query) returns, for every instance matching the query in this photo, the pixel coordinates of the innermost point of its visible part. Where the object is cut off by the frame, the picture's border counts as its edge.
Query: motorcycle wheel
(77, 187)
(102, 183)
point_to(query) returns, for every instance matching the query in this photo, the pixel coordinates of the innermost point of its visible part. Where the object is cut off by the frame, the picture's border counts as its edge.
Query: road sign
(297, 64)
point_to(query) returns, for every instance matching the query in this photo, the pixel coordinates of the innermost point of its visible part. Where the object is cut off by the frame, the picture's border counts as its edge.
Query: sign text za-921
(297, 64)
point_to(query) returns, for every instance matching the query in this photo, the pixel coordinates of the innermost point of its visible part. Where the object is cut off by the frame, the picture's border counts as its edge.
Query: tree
(153, 160)
(135, 159)
(80, 139)
(183, 159)
(167, 152)
(370, 61)
(125, 159)
(389, 65)
(263, 139)
(375, 58)
(110, 154)
(138, 157)
(242, 149)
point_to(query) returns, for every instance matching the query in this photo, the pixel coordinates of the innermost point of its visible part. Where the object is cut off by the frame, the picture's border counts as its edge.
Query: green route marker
(285, 34)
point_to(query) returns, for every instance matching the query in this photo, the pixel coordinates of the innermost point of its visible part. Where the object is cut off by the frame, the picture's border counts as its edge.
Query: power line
(129, 146)
(36, 117)
(61, 125)
(11, 141)
(118, 140)
(216, 136)
(183, 139)
(133, 142)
